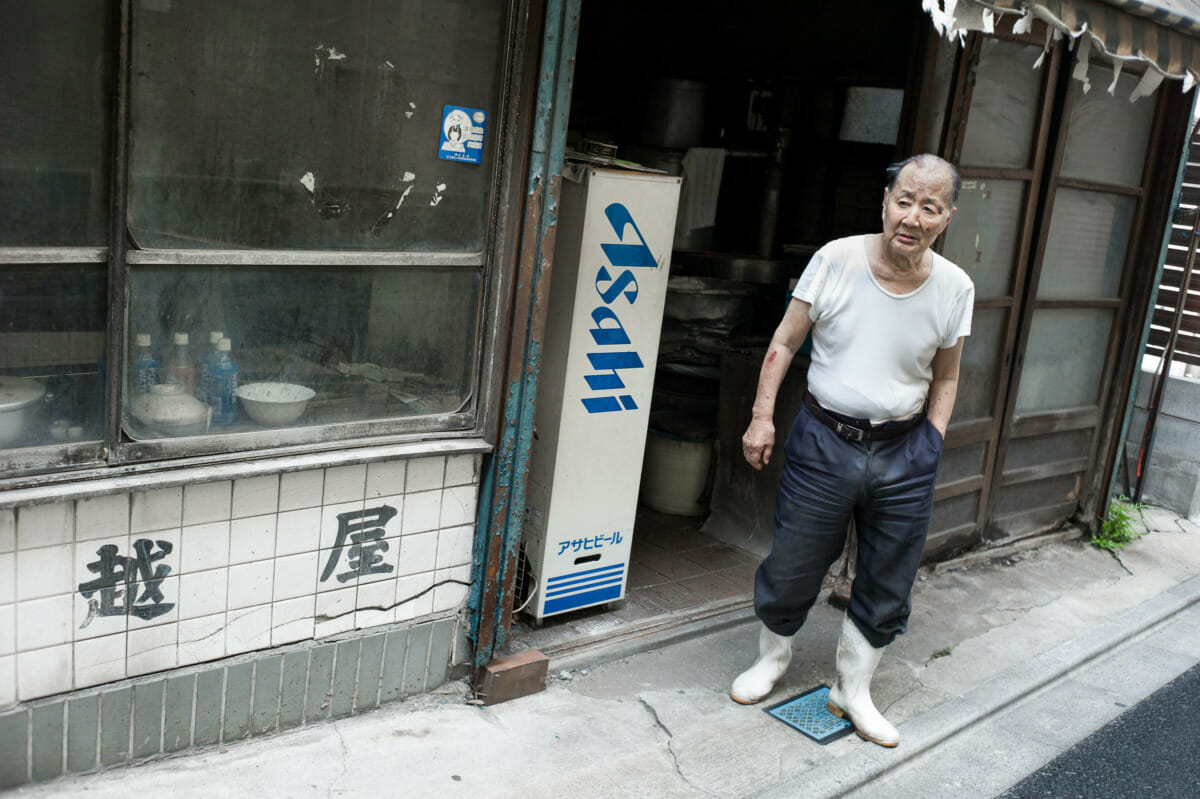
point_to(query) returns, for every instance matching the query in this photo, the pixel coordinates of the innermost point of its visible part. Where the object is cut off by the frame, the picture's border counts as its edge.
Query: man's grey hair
(924, 161)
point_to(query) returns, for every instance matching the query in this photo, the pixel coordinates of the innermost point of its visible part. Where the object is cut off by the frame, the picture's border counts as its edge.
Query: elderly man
(888, 316)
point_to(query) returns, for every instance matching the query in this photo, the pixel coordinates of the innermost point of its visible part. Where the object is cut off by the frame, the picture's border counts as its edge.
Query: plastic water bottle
(180, 369)
(145, 367)
(203, 389)
(223, 382)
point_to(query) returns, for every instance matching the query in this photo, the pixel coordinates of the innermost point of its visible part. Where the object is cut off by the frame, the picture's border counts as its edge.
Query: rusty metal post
(502, 498)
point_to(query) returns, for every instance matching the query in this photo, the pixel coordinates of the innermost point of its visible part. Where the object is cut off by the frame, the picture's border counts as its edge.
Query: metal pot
(18, 405)
(675, 114)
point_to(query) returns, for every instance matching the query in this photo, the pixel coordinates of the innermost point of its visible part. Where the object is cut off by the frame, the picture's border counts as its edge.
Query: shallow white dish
(274, 403)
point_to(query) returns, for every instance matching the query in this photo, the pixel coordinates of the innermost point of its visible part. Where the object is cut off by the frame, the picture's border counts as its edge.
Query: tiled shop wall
(200, 706)
(97, 590)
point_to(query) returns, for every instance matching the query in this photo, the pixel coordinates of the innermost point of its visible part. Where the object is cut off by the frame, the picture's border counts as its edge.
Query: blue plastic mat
(808, 714)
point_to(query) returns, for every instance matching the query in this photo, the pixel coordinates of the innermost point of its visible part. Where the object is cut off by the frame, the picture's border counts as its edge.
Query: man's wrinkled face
(916, 210)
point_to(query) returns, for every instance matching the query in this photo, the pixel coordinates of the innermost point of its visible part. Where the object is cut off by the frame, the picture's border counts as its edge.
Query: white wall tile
(462, 470)
(159, 509)
(455, 546)
(251, 584)
(331, 564)
(451, 595)
(86, 625)
(43, 672)
(205, 546)
(44, 622)
(330, 523)
(99, 660)
(301, 489)
(46, 571)
(102, 517)
(157, 610)
(418, 553)
(292, 620)
(8, 680)
(151, 649)
(45, 525)
(247, 629)
(422, 511)
(298, 531)
(8, 577)
(8, 628)
(409, 605)
(8, 530)
(207, 502)
(87, 553)
(252, 538)
(296, 575)
(338, 606)
(425, 474)
(374, 604)
(345, 484)
(255, 496)
(458, 506)
(201, 639)
(202, 593)
(385, 479)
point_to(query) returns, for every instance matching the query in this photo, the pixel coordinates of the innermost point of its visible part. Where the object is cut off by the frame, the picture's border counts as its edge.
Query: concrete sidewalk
(1011, 658)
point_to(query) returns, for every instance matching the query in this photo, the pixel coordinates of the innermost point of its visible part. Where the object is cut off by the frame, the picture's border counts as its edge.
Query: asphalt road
(1151, 750)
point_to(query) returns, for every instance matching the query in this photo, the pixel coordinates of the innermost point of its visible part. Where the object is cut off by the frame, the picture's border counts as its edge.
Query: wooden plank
(1056, 421)
(1042, 471)
(956, 488)
(972, 432)
(1031, 521)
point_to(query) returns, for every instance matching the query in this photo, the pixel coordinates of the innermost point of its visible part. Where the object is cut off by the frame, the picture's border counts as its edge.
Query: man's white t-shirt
(873, 350)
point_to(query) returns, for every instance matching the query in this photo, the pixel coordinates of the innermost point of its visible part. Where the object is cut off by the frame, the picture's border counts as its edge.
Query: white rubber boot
(774, 655)
(850, 696)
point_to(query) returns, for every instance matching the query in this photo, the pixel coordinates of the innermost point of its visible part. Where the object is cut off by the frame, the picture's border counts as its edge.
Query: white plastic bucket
(675, 474)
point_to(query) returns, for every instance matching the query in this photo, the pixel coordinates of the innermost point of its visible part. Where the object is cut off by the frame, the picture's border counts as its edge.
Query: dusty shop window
(310, 194)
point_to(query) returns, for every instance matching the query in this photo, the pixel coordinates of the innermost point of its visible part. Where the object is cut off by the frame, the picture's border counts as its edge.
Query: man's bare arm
(759, 438)
(943, 388)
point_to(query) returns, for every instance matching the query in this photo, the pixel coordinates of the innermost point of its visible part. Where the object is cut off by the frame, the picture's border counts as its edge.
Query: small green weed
(1117, 531)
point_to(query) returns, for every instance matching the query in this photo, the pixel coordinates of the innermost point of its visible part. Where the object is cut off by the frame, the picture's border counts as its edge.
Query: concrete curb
(942, 723)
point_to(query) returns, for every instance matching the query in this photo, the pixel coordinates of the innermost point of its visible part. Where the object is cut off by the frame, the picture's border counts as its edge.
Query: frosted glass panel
(1003, 106)
(977, 370)
(984, 234)
(1064, 359)
(1106, 140)
(1089, 232)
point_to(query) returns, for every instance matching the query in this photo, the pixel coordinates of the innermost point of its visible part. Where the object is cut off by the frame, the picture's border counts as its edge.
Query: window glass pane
(310, 125)
(1085, 250)
(54, 143)
(977, 370)
(1064, 359)
(984, 234)
(1106, 140)
(52, 340)
(1004, 105)
(351, 344)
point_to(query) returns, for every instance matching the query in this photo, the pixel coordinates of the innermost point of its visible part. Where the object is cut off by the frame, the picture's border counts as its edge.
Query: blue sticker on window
(462, 134)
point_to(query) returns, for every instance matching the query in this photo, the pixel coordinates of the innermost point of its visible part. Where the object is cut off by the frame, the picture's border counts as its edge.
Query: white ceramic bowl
(274, 403)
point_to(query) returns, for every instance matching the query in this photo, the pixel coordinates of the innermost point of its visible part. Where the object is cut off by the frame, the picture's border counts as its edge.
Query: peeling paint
(309, 182)
(437, 195)
(411, 108)
(389, 65)
(409, 177)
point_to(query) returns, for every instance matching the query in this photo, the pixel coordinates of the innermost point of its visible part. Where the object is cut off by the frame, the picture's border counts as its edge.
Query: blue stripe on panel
(581, 600)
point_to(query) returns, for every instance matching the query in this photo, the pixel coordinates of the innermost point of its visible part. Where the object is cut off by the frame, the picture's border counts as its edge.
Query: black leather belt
(854, 429)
